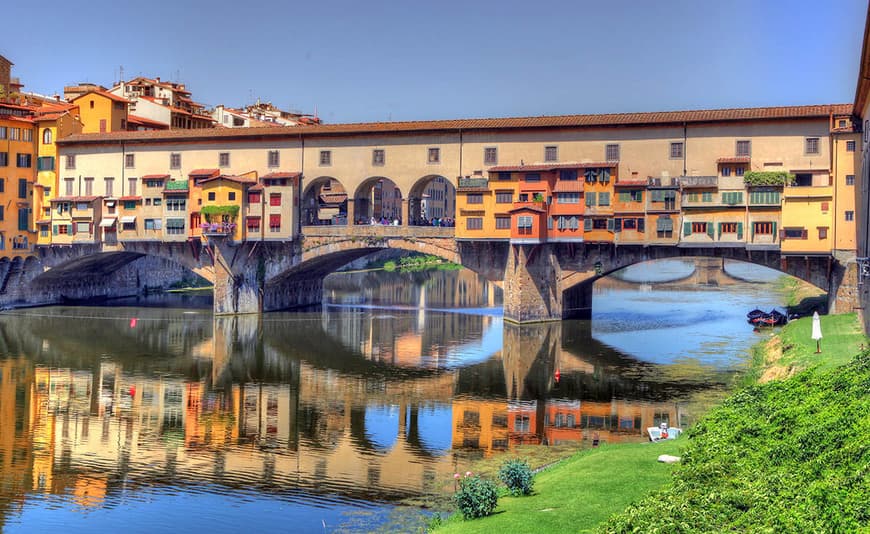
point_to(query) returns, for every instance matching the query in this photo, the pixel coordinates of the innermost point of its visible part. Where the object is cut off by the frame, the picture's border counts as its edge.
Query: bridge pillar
(237, 285)
(843, 292)
(532, 284)
(406, 219)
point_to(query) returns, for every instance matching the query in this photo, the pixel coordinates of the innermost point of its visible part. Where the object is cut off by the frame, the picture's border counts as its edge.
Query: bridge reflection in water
(95, 402)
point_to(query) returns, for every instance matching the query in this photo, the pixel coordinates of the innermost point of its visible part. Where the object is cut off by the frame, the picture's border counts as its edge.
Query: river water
(147, 417)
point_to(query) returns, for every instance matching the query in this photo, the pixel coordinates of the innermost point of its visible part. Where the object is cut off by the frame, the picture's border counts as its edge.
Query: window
(850, 179)
(175, 226)
(841, 123)
(474, 223)
(850, 146)
(811, 145)
(568, 175)
(504, 197)
(603, 199)
(474, 198)
(102, 125)
(62, 229)
(532, 177)
(175, 160)
(726, 171)
(502, 223)
(764, 197)
(523, 197)
(24, 161)
(325, 158)
(698, 228)
(254, 197)
(89, 186)
(825, 207)
(27, 135)
(131, 186)
(2, 132)
(599, 224)
(83, 227)
(274, 158)
(803, 180)
(732, 197)
(129, 204)
(211, 195)
(707, 196)
(677, 150)
(22, 188)
(3, 185)
(504, 176)
(568, 222)
(46, 136)
(157, 201)
(850, 215)
(253, 224)
(739, 171)
(176, 204)
(762, 228)
(611, 152)
(591, 198)
(45, 163)
(70, 161)
(153, 224)
(524, 224)
(110, 186)
(4, 159)
(223, 159)
(728, 228)
(743, 149)
(434, 155)
(568, 198)
(231, 195)
(490, 156)
(275, 222)
(68, 186)
(153, 183)
(551, 153)
(14, 134)
(378, 156)
(823, 232)
(82, 206)
(794, 233)
(129, 160)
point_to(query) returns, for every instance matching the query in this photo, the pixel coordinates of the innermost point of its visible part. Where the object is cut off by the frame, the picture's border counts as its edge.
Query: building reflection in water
(350, 402)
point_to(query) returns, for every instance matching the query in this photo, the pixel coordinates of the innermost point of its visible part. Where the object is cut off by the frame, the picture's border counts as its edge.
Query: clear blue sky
(406, 60)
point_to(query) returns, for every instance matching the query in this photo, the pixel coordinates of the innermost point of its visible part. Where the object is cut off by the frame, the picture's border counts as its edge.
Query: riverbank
(799, 467)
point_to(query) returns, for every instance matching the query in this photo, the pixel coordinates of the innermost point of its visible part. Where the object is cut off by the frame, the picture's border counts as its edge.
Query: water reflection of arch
(324, 202)
(431, 197)
(377, 197)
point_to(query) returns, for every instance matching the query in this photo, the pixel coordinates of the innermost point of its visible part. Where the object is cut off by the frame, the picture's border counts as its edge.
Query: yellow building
(101, 111)
(845, 165)
(17, 175)
(223, 200)
(54, 121)
(807, 213)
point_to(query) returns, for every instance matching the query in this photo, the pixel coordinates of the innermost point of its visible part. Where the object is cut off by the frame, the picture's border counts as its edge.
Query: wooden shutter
(711, 230)
(773, 225)
(617, 224)
(740, 231)
(687, 228)
(587, 225)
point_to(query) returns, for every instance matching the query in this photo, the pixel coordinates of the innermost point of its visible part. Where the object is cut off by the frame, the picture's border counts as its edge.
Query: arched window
(46, 136)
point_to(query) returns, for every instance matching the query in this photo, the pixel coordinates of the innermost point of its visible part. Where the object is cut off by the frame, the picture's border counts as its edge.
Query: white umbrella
(817, 331)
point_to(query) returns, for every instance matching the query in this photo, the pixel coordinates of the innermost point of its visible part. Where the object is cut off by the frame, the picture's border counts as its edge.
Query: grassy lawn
(579, 493)
(842, 340)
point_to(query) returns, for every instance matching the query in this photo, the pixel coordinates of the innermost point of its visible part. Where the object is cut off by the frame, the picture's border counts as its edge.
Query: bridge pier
(238, 285)
(532, 284)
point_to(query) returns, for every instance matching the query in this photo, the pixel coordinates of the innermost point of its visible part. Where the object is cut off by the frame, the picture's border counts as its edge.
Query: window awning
(275, 220)
(175, 223)
(129, 219)
(107, 223)
(665, 224)
(110, 203)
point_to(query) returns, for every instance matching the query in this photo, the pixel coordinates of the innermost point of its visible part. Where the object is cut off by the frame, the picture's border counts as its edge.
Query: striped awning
(108, 223)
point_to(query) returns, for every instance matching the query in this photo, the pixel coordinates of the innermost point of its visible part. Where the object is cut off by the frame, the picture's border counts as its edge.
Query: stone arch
(431, 197)
(378, 198)
(324, 202)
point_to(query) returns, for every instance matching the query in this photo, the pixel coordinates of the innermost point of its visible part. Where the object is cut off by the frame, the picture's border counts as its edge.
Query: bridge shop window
(629, 224)
(504, 176)
(502, 223)
(175, 226)
(474, 223)
(379, 157)
(763, 228)
(474, 198)
(532, 177)
(664, 227)
(212, 195)
(568, 198)
(275, 222)
(850, 146)
(728, 228)
(4, 159)
(524, 224)
(823, 232)
(569, 175)
(490, 156)
(571, 222)
(325, 158)
(504, 197)
(850, 179)
(253, 224)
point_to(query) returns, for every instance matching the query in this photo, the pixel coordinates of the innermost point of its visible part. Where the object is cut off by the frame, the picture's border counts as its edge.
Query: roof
(176, 185)
(568, 186)
(550, 167)
(100, 92)
(199, 173)
(509, 123)
(333, 198)
(256, 187)
(231, 178)
(863, 87)
(74, 199)
(279, 175)
(156, 177)
(130, 198)
(136, 119)
(527, 207)
(630, 182)
(735, 159)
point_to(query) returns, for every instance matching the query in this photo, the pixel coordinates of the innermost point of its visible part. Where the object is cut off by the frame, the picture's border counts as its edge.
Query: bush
(517, 476)
(476, 497)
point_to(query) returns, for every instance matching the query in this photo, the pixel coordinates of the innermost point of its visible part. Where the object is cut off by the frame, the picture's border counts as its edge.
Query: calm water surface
(143, 419)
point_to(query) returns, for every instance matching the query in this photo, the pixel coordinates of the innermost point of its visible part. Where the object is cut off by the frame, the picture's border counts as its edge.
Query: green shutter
(603, 199)
(590, 198)
(740, 231)
(711, 230)
(624, 196)
(687, 228)
(617, 224)
(751, 231)
(773, 229)
(610, 225)
(54, 230)
(720, 230)
(587, 224)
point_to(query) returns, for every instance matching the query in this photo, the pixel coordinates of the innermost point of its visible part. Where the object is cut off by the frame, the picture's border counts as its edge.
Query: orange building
(101, 111)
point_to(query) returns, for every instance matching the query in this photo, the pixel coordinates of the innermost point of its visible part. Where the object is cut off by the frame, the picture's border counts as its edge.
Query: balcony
(220, 229)
(689, 182)
(808, 191)
(474, 184)
(538, 205)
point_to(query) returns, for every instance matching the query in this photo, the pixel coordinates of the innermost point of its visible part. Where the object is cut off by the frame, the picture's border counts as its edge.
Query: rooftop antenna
(121, 73)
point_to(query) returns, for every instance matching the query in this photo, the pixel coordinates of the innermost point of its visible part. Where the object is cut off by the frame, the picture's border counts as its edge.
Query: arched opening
(324, 203)
(46, 136)
(432, 202)
(378, 200)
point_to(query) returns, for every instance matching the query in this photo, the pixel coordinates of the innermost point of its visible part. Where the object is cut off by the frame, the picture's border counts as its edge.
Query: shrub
(768, 178)
(476, 497)
(517, 476)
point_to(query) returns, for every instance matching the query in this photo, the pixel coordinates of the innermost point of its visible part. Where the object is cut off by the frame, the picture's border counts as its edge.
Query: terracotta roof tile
(734, 159)
(231, 178)
(135, 119)
(74, 199)
(130, 198)
(203, 173)
(273, 175)
(106, 94)
(155, 177)
(568, 186)
(549, 167)
(560, 121)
